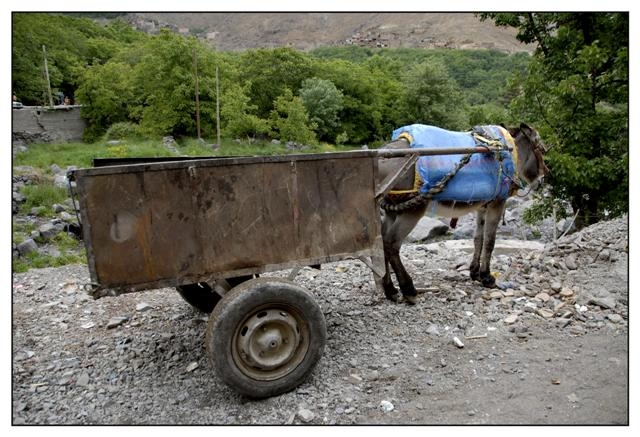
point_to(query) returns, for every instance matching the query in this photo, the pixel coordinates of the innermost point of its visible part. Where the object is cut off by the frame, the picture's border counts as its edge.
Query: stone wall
(47, 125)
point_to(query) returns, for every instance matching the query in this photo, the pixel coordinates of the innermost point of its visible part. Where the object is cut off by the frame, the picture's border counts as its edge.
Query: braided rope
(421, 199)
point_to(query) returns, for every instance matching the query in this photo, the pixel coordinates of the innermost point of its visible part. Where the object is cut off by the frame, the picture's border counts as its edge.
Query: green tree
(488, 113)
(433, 97)
(323, 101)
(270, 71)
(480, 74)
(577, 91)
(165, 86)
(164, 76)
(238, 115)
(372, 97)
(72, 44)
(290, 119)
(105, 91)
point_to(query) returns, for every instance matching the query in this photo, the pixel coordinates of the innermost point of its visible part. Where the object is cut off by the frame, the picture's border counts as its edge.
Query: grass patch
(193, 147)
(70, 251)
(42, 156)
(21, 231)
(42, 196)
(136, 149)
(81, 155)
(63, 154)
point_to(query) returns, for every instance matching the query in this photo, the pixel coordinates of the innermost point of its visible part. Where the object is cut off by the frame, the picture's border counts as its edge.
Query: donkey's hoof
(393, 297)
(488, 282)
(475, 275)
(411, 300)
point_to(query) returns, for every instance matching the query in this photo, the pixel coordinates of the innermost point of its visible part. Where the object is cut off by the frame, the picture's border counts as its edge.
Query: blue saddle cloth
(483, 178)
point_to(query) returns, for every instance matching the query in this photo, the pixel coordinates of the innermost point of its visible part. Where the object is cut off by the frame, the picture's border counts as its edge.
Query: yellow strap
(514, 150)
(407, 136)
(487, 141)
(417, 180)
(514, 157)
(417, 184)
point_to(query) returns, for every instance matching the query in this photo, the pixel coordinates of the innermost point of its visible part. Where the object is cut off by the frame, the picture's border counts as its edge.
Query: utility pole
(218, 107)
(46, 72)
(195, 66)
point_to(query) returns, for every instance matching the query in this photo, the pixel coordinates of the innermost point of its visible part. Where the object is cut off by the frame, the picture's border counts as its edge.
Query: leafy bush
(122, 130)
(238, 115)
(291, 119)
(118, 151)
(542, 208)
(324, 102)
(342, 138)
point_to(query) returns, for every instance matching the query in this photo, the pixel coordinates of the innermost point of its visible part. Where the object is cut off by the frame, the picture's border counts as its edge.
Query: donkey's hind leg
(390, 291)
(393, 236)
(478, 239)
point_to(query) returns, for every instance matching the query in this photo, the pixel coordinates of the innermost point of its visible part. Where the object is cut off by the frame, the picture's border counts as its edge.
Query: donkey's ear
(528, 131)
(526, 128)
(513, 131)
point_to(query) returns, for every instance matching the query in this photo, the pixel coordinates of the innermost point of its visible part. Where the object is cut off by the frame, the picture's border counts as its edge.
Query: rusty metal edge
(86, 230)
(230, 160)
(220, 161)
(99, 291)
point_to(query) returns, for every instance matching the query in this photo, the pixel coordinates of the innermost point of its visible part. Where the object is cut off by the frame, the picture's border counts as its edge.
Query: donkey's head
(531, 150)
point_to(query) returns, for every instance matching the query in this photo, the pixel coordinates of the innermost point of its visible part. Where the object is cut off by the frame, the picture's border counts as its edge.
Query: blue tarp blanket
(483, 178)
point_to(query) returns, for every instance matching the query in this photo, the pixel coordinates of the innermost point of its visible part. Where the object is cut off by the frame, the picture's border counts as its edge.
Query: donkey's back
(484, 177)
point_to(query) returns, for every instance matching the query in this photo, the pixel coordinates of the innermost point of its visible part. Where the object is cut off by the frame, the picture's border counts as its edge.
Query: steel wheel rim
(271, 342)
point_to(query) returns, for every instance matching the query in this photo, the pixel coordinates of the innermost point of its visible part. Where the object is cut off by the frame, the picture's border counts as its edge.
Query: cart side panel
(273, 213)
(133, 233)
(166, 224)
(243, 215)
(335, 212)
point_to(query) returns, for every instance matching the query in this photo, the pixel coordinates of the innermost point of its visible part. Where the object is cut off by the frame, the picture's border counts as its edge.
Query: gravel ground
(550, 346)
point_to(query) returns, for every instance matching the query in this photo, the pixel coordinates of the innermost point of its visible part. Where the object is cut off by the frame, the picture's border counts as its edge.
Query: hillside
(306, 31)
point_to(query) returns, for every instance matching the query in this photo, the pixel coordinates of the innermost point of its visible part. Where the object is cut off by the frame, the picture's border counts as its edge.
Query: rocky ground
(550, 346)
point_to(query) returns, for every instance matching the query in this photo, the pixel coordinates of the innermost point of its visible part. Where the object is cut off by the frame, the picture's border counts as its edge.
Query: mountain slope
(306, 31)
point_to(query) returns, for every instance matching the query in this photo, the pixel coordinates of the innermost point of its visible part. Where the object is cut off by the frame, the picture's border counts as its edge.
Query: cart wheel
(266, 336)
(202, 297)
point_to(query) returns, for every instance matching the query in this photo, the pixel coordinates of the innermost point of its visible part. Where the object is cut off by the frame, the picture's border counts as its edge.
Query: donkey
(411, 197)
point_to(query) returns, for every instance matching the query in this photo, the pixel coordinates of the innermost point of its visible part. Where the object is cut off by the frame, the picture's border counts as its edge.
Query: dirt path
(552, 348)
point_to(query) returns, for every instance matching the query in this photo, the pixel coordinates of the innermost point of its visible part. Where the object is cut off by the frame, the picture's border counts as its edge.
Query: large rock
(27, 246)
(50, 230)
(60, 180)
(464, 231)
(502, 247)
(426, 229)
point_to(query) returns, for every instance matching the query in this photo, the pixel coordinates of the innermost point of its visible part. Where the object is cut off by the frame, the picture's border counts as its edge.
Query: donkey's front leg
(478, 239)
(494, 211)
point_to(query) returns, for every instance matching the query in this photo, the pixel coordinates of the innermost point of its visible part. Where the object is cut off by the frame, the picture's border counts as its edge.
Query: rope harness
(417, 198)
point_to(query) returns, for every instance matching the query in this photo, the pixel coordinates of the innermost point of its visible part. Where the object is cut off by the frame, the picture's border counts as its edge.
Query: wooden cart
(211, 226)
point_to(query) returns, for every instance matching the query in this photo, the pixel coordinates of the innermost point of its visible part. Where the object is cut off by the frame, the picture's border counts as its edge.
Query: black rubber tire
(202, 297)
(245, 304)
